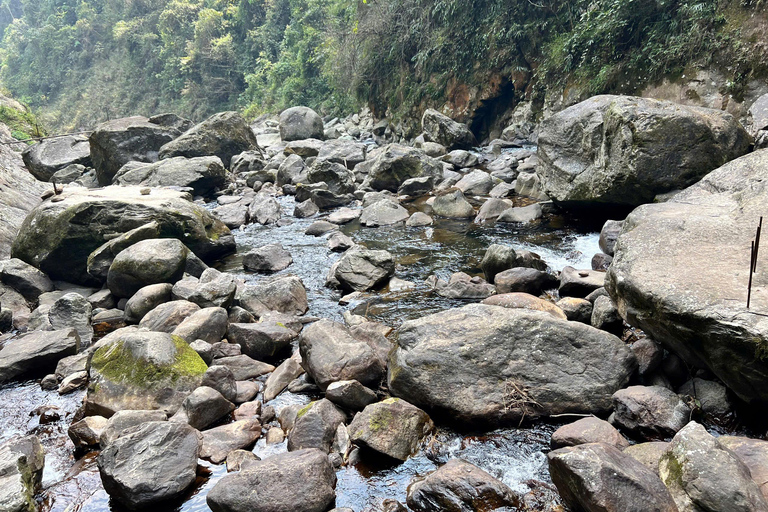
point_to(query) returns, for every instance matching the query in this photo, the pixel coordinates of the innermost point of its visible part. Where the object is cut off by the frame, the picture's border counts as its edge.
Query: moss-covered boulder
(21, 469)
(134, 369)
(60, 234)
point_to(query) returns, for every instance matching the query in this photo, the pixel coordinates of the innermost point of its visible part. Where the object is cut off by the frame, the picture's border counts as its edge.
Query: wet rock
(135, 369)
(246, 391)
(86, 432)
(268, 258)
(459, 486)
(350, 394)
(208, 324)
(650, 410)
(525, 280)
(416, 186)
(648, 454)
(72, 310)
(712, 396)
(498, 258)
(315, 426)
(166, 317)
(339, 242)
(48, 156)
(337, 178)
(232, 215)
(680, 145)
(522, 215)
(278, 380)
(220, 441)
(492, 209)
(24, 278)
(393, 427)
(264, 209)
(580, 283)
(21, 469)
(588, 430)
(330, 353)
(383, 213)
(300, 481)
(609, 234)
(320, 227)
(222, 380)
(202, 408)
(103, 299)
(601, 261)
(284, 293)
(238, 460)
(597, 476)
(36, 352)
(115, 143)
(444, 130)
(395, 163)
(125, 421)
(244, 367)
(576, 310)
(299, 123)
(263, 340)
(167, 455)
(701, 474)
(453, 205)
(214, 289)
(362, 269)
(70, 365)
(72, 382)
(249, 410)
(462, 286)
(524, 301)
(476, 183)
(203, 175)
(224, 135)
(225, 349)
(444, 363)
(344, 215)
(606, 317)
(754, 454)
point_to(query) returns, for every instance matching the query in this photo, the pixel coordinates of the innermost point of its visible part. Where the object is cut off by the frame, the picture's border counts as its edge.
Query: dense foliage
(81, 61)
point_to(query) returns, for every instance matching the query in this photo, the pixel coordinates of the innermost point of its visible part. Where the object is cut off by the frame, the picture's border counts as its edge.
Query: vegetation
(82, 61)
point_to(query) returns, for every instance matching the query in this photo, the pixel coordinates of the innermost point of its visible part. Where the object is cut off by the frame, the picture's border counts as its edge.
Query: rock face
(299, 123)
(459, 486)
(623, 151)
(396, 163)
(36, 351)
(51, 155)
(393, 427)
(202, 174)
(598, 477)
(58, 237)
(115, 143)
(300, 481)
(21, 469)
(154, 463)
(488, 364)
(695, 303)
(702, 475)
(224, 135)
(444, 130)
(148, 262)
(135, 369)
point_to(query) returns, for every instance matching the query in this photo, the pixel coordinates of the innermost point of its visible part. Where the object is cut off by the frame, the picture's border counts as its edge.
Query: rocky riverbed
(306, 314)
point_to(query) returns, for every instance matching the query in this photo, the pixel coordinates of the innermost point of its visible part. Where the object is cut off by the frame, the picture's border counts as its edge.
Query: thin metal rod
(757, 244)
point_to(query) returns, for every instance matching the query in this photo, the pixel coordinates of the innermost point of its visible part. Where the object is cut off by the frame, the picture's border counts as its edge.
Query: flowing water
(515, 455)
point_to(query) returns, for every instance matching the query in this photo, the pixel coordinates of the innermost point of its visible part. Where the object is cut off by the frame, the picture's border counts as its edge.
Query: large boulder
(58, 237)
(444, 130)
(133, 369)
(361, 269)
(393, 428)
(203, 174)
(153, 261)
(459, 486)
(21, 469)
(695, 302)
(224, 135)
(493, 365)
(117, 142)
(315, 426)
(623, 151)
(753, 453)
(396, 163)
(151, 464)
(299, 123)
(36, 352)
(598, 477)
(282, 293)
(300, 481)
(702, 474)
(51, 155)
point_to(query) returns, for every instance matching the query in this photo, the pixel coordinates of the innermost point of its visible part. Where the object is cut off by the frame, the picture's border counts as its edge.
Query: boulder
(159, 260)
(207, 324)
(337, 178)
(609, 234)
(650, 410)
(576, 310)
(291, 171)
(330, 353)
(419, 219)
(624, 151)
(498, 258)
(36, 352)
(350, 394)
(300, 481)
(262, 340)
(416, 186)
(580, 283)
(172, 120)
(605, 316)
(299, 123)
(476, 183)
(51, 155)
(167, 316)
(445, 131)
(283, 293)
(525, 280)
(452, 204)
(599, 477)
(166, 454)
(124, 421)
(461, 286)
(339, 242)
(202, 408)
(588, 430)
(459, 486)
(702, 474)
(395, 163)
(315, 426)
(754, 454)
(202, 174)
(133, 369)
(25, 279)
(347, 152)
(304, 148)
(283, 375)
(711, 395)
(58, 237)
(525, 301)
(487, 364)
(305, 209)
(72, 311)
(224, 135)
(393, 428)
(383, 213)
(21, 469)
(264, 209)
(522, 215)
(213, 289)
(361, 269)
(268, 258)
(115, 143)
(86, 432)
(221, 441)
(492, 209)
(244, 367)
(648, 453)
(695, 304)
(222, 380)
(102, 257)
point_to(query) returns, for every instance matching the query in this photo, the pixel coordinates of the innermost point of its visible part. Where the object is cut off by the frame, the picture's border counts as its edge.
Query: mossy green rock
(135, 369)
(58, 236)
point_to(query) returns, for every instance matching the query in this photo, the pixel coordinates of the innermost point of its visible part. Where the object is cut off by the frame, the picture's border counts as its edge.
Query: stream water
(515, 455)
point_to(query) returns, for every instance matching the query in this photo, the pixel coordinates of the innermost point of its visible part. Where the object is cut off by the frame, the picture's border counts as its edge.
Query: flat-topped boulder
(623, 151)
(695, 301)
(202, 174)
(51, 155)
(58, 236)
(395, 163)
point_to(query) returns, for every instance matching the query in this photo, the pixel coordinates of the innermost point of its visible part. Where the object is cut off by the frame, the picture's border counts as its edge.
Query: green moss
(304, 410)
(23, 124)
(382, 418)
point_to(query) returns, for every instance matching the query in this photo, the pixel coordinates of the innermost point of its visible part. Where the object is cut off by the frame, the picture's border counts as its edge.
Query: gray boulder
(525, 280)
(283, 375)
(72, 311)
(167, 316)
(167, 455)
(21, 469)
(224, 135)
(299, 123)
(315, 426)
(580, 283)
(494, 365)
(262, 340)
(383, 213)
(125, 421)
(338, 178)
(498, 258)
(219, 442)
(283, 293)
(203, 407)
(476, 183)
(207, 324)
(147, 262)
(395, 163)
(102, 257)
(609, 234)
(268, 258)
(444, 130)
(347, 152)
(524, 301)
(711, 395)
(264, 209)
(48, 156)
(461, 286)
(393, 428)
(222, 380)
(624, 151)
(202, 174)
(361, 269)
(452, 204)
(350, 394)
(754, 454)
(36, 352)
(650, 410)
(86, 432)
(25, 279)
(588, 430)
